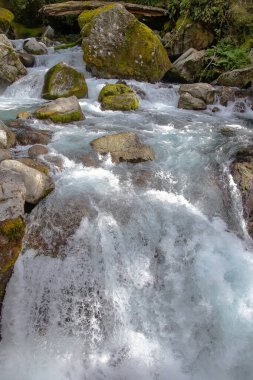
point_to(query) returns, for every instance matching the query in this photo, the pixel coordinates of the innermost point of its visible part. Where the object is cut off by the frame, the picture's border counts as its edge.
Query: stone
(227, 94)
(237, 78)
(118, 97)
(6, 18)
(187, 35)
(187, 68)
(239, 107)
(63, 80)
(12, 194)
(4, 154)
(7, 137)
(188, 102)
(35, 47)
(37, 150)
(203, 91)
(37, 184)
(26, 135)
(124, 146)
(117, 45)
(11, 68)
(34, 164)
(28, 60)
(62, 110)
(24, 115)
(48, 32)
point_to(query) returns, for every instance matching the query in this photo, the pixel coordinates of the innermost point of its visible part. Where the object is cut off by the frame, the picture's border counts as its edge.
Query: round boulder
(118, 97)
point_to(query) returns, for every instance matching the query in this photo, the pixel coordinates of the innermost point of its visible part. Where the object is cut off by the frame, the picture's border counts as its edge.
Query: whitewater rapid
(153, 279)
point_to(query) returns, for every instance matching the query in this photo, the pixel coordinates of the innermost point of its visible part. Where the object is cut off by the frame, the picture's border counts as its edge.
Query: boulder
(187, 35)
(242, 172)
(11, 68)
(187, 68)
(227, 94)
(37, 150)
(62, 110)
(237, 78)
(24, 115)
(6, 18)
(4, 154)
(12, 194)
(26, 135)
(34, 164)
(188, 102)
(35, 47)
(7, 137)
(62, 81)
(118, 97)
(37, 184)
(117, 45)
(28, 60)
(124, 146)
(203, 91)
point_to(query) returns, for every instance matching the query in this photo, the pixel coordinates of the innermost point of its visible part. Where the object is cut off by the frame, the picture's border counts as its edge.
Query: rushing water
(154, 278)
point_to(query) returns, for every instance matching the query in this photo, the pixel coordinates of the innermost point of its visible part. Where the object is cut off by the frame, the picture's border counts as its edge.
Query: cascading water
(152, 268)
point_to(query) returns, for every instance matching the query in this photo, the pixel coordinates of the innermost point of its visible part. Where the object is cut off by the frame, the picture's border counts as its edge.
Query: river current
(154, 280)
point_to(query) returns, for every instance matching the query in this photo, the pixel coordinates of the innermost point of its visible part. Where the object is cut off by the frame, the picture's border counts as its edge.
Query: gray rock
(28, 60)
(37, 150)
(7, 137)
(35, 47)
(188, 102)
(37, 184)
(11, 68)
(237, 78)
(5, 154)
(203, 91)
(124, 146)
(12, 194)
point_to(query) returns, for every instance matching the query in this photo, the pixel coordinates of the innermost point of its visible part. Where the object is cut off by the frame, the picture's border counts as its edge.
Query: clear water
(154, 274)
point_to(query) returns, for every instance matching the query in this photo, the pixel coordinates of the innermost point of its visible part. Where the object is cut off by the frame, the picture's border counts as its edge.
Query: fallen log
(70, 8)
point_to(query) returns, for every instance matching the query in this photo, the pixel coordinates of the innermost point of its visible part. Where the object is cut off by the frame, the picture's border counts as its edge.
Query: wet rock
(26, 135)
(24, 115)
(203, 91)
(62, 110)
(187, 68)
(124, 146)
(12, 194)
(37, 184)
(89, 160)
(215, 109)
(118, 97)
(228, 132)
(188, 102)
(34, 164)
(239, 107)
(227, 94)
(28, 60)
(35, 47)
(6, 18)
(237, 78)
(37, 150)
(48, 32)
(7, 137)
(5, 154)
(242, 172)
(117, 45)
(11, 68)
(63, 80)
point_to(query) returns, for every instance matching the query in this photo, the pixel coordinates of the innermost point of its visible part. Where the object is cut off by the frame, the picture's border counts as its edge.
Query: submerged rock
(118, 97)
(187, 68)
(237, 78)
(63, 80)
(37, 184)
(124, 146)
(62, 110)
(26, 135)
(11, 68)
(117, 45)
(35, 47)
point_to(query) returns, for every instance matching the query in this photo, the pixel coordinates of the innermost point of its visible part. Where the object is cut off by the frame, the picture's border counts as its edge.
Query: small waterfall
(132, 271)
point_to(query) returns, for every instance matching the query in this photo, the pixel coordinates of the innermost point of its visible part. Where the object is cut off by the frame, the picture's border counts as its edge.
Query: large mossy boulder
(11, 67)
(124, 146)
(237, 78)
(6, 18)
(62, 110)
(118, 97)
(117, 45)
(62, 81)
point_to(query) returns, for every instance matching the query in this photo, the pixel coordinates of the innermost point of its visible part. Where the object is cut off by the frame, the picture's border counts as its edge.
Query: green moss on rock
(118, 97)
(63, 80)
(86, 16)
(22, 31)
